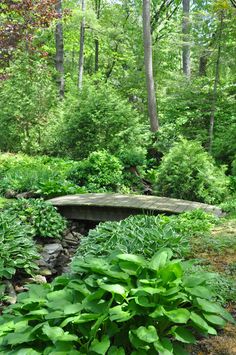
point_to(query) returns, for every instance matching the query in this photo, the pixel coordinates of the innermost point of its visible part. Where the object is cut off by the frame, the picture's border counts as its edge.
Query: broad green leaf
(115, 288)
(100, 347)
(201, 323)
(132, 258)
(159, 312)
(180, 315)
(160, 259)
(200, 291)
(147, 334)
(128, 267)
(163, 346)
(117, 314)
(184, 335)
(73, 308)
(211, 307)
(53, 333)
(212, 318)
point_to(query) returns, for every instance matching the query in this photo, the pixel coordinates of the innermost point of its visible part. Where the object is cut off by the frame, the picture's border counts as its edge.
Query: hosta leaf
(128, 267)
(117, 314)
(147, 334)
(164, 346)
(200, 291)
(201, 323)
(182, 334)
(132, 258)
(160, 259)
(53, 333)
(144, 302)
(180, 315)
(115, 288)
(100, 347)
(211, 307)
(73, 308)
(212, 318)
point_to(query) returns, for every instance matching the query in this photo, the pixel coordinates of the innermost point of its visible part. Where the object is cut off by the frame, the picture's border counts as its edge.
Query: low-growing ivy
(122, 305)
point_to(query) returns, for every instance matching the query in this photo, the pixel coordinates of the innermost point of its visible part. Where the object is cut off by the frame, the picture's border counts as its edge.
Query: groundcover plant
(118, 305)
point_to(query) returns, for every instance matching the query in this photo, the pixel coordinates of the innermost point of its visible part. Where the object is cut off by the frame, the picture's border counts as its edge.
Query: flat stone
(54, 248)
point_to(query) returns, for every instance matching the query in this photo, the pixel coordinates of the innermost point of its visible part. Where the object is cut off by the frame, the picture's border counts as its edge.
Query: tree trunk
(216, 81)
(59, 60)
(81, 49)
(203, 63)
(96, 41)
(186, 39)
(147, 39)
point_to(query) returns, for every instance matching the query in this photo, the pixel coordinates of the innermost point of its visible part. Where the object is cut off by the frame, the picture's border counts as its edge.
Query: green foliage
(188, 172)
(100, 171)
(223, 284)
(100, 119)
(125, 305)
(144, 235)
(18, 250)
(25, 99)
(41, 175)
(40, 215)
(229, 205)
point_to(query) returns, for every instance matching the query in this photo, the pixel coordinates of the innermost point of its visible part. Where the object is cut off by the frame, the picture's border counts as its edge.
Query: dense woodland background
(73, 82)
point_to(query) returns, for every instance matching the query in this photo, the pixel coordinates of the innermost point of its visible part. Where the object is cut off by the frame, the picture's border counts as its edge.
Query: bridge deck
(112, 206)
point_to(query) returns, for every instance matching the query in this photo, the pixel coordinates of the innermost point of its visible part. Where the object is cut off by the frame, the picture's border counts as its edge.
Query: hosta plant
(40, 215)
(145, 235)
(18, 250)
(122, 305)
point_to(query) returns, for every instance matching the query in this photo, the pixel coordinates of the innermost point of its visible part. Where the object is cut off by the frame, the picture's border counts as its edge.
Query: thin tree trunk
(96, 41)
(59, 60)
(186, 39)
(203, 63)
(147, 39)
(81, 49)
(216, 81)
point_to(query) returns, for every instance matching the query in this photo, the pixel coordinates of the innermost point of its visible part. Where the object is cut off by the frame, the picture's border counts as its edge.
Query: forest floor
(220, 255)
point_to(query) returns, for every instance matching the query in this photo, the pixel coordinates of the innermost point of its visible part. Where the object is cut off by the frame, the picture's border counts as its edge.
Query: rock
(10, 193)
(38, 279)
(54, 248)
(45, 272)
(27, 194)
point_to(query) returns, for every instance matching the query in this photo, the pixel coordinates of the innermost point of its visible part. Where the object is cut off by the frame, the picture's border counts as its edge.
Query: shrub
(100, 119)
(18, 250)
(40, 215)
(124, 305)
(100, 171)
(188, 172)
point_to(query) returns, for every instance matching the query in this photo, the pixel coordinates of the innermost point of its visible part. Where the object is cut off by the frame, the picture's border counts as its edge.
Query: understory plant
(41, 215)
(122, 305)
(144, 235)
(188, 172)
(18, 250)
(101, 171)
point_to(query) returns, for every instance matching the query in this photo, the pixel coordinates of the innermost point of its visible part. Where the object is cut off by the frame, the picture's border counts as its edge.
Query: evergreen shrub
(188, 172)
